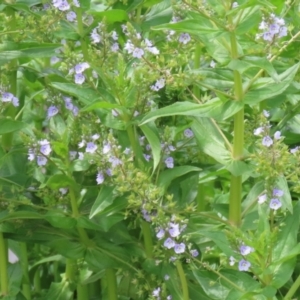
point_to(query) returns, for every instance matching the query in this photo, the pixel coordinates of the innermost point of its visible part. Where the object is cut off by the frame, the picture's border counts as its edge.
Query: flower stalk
(3, 266)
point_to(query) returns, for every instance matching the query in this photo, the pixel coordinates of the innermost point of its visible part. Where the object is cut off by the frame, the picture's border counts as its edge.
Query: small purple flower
(91, 147)
(114, 35)
(7, 97)
(114, 47)
(194, 252)
(277, 135)
(258, 131)
(282, 32)
(156, 292)
(275, 204)
(79, 78)
(15, 101)
(268, 36)
(274, 28)
(81, 144)
(106, 148)
(245, 250)
(75, 111)
(174, 230)
(244, 265)
(100, 177)
(179, 248)
(45, 147)
(160, 234)
(212, 64)
(169, 297)
(79, 68)
(266, 113)
(184, 38)
(80, 155)
(188, 133)
(71, 16)
(166, 277)
(114, 113)
(129, 47)
(63, 191)
(114, 161)
(52, 111)
(294, 150)
(159, 84)
(235, 5)
(147, 157)
(95, 136)
(76, 3)
(267, 141)
(146, 215)
(96, 38)
(31, 154)
(231, 260)
(277, 193)
(262, 198)
(54, 60)
(108, 172)
(72, 155)
(138, 53)
(42, 160)
(169, 162)
(169, 243)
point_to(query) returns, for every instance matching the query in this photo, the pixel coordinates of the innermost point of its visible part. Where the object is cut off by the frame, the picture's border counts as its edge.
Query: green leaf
(270, 88)
(59, 220)
(60, 180)
(212, 109)
(9, 125)
(59, 291)
(238, 168)
(86, 95)
(166, 177)
(286, 199)
(151, 133)
(101, 104)
(66, 247)
(104, 199)
(112, 15)
(210, 140)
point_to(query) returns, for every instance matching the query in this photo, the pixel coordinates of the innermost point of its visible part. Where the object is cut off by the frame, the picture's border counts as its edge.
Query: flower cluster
(54, 109)
(243, 265)
(6, 97)
(40, 152)
(267, 140)
(79, 77)
(275, 203)
(272, 27)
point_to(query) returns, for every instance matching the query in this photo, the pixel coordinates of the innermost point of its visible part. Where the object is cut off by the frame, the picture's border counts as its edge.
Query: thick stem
(37, 281)
(26, 289)
(111, 284)
(201, 197)
(293, 289)
(71, 269)
(135, 146)
(3, 266)
(146, 230)
(184, 284)
(82, 292)
(235, 198)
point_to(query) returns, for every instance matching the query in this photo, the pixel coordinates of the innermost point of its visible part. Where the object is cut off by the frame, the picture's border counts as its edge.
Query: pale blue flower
(71, 16)
(277, 135)
(262, 198)
(194, 252)
(138, 53)
(245, 250)
(244, 265)
(100, 177)
(169, 243)
(277, 192)
(188, 133)
(179, 248)
(156, 292)
(41, 160)
(160, 234)
(169, 162)
(52, 111)
(79, 78)
(91, 148)
(267, 141)
(275, 204)
(184, 38)
(174, 230)
(45, 147)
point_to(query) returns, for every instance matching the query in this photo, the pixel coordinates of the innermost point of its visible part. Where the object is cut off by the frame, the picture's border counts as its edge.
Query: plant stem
(3, 266)
(83, 43)
(24, 264)
(37, 281)
(201, 197)
(70, 269)
(82, 292)
(293, 289)
(111, 284)
(135, 145)
(235, 197)
(184, 284)
(146, 230)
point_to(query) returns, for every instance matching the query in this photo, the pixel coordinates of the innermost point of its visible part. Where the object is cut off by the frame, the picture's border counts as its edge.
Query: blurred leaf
(213, 109)
(151, 133)
(9, 125)
(210, 140)
(103, 200)
(59, 220)
(111, 16)
(166, 177)
(59, 291)
(60, 180)
(286, 199)
(238, 167)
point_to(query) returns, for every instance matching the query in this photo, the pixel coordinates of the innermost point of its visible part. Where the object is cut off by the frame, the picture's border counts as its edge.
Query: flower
(262, 198)
(159, 84)
(71, 16)
(184, 38)
(147, 157)
(231, 260)
(63, 191)
(188, 133)
(96, 38)
(138, 53)
(156, 292)
(258, 131)
(275, 204)
(169, 297)
(114, 47)
(106, 148)
(114, 35)
(54, 60)
(212, 64)
(114, 161)
(174, 230)
(166, 277)
(245, 250)
(169, 162)
(41, 160)
(72, 155)
(277, 135)
(266, 113)
(169, 243)
(294, 150)
(179, 248)
(62, 5)
(244, 265)
(91, 147)
(160, 234)
(194, 252)
(52, 111)
(100, 177)
(9, 97)
(79, 68)
(31, 154)
(45, 147)
(277, 193)
(235, 5)
(79, 78)
(267, 141)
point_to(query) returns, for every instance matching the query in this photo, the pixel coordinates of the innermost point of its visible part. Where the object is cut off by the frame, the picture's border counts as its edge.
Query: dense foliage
(149, 149)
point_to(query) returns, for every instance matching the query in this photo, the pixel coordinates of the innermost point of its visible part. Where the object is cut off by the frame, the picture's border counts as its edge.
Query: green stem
(82, 292)
(235, 197)
(293, 289)
(3, 266)
(135, 146)
(201, 197)
(197, 56)
(71, 267)
(84, 48)
(26, 289)
(37, 281)
(146, 230)
(111, 284)
(55, 272)
(184, 284)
